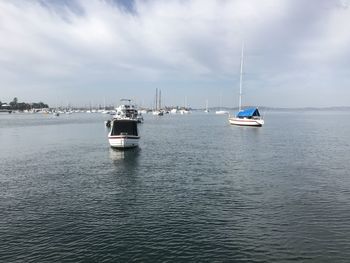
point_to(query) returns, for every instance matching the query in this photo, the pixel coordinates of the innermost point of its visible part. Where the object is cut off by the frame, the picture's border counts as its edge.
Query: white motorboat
(221, 112)
(123, 127)
(184, 111)
(247, 117)
(127, 111)
(123, 134)
(173, 111)
(158, 112)
(5, 108)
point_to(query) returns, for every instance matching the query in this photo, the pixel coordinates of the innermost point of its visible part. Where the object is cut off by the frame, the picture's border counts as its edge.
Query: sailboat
(157, 111)
(249, 116)
(185, 109)
(206, 107)
(221, 112)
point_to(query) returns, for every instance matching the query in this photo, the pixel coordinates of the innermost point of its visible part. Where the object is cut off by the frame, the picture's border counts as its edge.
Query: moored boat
(247, 117)
(158, 112)
(126, 111)
(173, 111)
(5, 111)
(158, 106)
(123, 127)
(221, 112)
(206, 107)
(184, 111)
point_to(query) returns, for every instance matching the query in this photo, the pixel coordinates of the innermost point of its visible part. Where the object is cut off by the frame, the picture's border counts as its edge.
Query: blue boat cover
(248, 113)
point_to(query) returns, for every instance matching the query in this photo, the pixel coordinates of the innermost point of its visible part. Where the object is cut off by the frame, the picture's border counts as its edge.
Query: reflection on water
(125, 158)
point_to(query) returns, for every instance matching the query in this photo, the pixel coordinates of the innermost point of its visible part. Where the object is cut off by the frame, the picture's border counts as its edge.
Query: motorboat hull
(123, 134)
(246, 122)
(123, 142)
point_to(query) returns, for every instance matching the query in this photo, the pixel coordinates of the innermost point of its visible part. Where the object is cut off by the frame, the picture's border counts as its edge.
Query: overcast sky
(297, 52)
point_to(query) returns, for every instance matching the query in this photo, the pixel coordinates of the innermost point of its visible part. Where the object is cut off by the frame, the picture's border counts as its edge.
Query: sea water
(196, 190)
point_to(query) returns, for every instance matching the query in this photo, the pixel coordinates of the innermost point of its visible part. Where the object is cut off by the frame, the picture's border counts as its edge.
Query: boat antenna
(240, 79)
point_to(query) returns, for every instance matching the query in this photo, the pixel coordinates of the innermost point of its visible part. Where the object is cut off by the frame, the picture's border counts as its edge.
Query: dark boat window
(124, 128)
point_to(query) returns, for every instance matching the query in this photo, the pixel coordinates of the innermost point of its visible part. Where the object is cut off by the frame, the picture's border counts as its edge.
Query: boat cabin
(251, 113)
(124, 127)
(126, 111)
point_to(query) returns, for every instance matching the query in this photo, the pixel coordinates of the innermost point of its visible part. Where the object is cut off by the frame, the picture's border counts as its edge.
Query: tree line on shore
(21, 106)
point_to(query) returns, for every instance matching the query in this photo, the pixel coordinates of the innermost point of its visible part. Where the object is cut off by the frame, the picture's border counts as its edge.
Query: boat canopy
(248, 113)
(124, 127)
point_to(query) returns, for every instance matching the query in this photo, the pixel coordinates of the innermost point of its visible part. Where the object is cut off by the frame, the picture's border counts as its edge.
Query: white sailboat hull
(123, 142)
(246, 122)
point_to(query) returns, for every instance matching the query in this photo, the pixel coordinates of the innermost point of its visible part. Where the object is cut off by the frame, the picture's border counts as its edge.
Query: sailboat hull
(246, 122)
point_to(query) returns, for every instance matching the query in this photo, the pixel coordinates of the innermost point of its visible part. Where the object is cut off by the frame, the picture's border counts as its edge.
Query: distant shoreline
(341, 108)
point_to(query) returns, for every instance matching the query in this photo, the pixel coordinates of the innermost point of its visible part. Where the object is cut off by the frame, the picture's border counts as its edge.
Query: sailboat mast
(240, 79)
(160, 99)
(156, 98)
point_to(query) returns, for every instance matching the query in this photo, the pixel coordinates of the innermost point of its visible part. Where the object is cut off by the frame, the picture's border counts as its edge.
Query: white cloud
(102, 49)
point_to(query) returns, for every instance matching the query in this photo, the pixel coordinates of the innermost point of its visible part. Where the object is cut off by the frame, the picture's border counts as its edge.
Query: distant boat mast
(156, 98)
(240, 79)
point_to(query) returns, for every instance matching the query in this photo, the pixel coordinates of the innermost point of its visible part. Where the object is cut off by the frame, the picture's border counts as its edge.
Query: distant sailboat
(221, 112)
(185, 109)
(246, 117)
(206, 107)
(158, 111)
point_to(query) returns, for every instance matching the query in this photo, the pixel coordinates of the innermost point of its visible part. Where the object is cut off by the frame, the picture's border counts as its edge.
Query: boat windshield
(122, 127)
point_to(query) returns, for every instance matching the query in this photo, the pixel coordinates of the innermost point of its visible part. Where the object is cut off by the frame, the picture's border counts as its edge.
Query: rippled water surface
(197, 190)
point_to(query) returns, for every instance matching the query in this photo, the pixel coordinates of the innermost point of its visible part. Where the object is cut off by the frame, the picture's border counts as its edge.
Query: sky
(297, 52)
